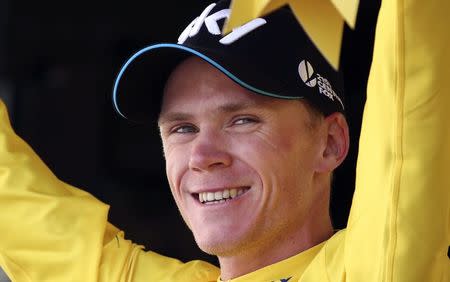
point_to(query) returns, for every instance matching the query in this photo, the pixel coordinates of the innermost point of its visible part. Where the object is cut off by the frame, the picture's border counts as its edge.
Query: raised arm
(50, 231)
(54, 232)
(399, 224)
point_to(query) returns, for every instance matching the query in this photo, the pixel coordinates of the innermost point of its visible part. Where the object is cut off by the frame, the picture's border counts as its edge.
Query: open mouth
(221, 196)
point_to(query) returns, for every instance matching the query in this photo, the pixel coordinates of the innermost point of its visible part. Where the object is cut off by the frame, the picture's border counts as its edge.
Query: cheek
(175, 166)
(273, 148)
(263, 153)
(280, 157)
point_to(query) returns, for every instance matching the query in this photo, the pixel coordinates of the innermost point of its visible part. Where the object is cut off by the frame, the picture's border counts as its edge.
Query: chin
(223, 243)
(218, 248)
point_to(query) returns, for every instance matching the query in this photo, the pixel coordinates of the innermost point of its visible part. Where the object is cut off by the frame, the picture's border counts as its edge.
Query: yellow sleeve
(50, 231)
(124, 261)
(398, 228)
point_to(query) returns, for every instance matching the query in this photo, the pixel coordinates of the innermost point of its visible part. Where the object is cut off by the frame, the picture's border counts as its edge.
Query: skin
(219, 135)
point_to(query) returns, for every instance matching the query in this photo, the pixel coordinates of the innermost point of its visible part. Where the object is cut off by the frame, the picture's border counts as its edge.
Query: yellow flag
(323, 20)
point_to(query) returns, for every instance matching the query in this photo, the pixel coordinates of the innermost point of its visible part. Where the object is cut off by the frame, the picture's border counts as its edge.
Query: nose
(209, 152)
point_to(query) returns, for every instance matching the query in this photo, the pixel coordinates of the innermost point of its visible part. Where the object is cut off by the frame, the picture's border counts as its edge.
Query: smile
(221, 196)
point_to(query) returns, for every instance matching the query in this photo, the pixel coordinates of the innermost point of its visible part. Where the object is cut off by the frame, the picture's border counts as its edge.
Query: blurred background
(58, 61)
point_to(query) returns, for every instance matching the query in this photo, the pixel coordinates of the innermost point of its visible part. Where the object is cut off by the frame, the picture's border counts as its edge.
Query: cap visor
(139, 86)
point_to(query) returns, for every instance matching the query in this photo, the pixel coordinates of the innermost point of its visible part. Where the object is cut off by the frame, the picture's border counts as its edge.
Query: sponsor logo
(306, 72)
(326, 89)
(210, 22)
(312, 79)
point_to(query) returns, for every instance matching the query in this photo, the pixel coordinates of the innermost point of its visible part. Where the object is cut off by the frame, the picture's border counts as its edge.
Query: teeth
(220, 196)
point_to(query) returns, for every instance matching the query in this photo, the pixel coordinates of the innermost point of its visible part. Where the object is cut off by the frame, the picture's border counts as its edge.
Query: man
(249, 160)
(252, 128)
(250, 174)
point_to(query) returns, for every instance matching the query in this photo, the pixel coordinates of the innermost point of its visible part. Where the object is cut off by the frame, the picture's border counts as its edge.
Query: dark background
(58, 60)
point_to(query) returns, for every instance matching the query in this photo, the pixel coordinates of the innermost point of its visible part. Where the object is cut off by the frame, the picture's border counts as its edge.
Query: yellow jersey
(398, 228)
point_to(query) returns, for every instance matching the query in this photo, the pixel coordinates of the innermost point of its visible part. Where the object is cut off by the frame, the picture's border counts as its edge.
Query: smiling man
(250, 174)
(252, 127)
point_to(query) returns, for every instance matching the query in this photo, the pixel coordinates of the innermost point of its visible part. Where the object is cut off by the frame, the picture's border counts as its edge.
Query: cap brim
(139, 86)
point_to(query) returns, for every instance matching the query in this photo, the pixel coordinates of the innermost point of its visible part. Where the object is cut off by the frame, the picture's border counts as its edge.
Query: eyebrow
(231, 107)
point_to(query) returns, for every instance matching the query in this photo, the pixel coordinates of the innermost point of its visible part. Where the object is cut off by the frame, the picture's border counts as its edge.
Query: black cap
(271, 56)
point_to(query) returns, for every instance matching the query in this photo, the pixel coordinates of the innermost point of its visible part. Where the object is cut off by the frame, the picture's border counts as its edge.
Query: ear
(337, 142)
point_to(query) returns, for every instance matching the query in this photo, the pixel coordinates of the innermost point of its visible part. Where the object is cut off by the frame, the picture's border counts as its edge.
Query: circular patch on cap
(306, 72)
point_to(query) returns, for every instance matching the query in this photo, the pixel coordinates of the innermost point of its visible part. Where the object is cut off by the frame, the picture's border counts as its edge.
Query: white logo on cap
(213, 28)
(306, 71)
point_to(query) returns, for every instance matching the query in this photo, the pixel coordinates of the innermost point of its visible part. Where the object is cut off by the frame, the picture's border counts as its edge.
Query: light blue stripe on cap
(194, 52)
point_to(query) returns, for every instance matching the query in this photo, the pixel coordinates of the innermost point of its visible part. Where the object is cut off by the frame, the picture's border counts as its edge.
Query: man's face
(256, 155)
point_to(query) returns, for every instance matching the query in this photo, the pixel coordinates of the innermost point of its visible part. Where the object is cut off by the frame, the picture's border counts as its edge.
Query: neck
(314, 231)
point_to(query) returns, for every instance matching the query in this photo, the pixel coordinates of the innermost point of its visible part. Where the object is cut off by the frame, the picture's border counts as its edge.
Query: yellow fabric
(399, 224)
(44, 223)
(51, 231)
(290, 269)
(401, 205)
(326, 33)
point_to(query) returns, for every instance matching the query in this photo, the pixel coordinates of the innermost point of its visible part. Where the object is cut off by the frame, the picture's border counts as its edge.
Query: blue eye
(244, 120)
(183, 129)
